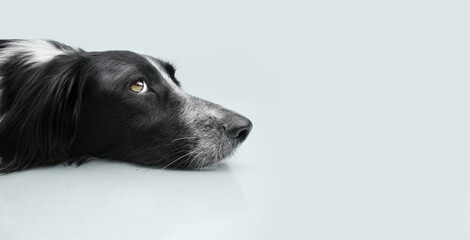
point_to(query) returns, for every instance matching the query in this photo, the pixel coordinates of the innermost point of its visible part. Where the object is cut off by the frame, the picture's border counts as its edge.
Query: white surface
(360, 111)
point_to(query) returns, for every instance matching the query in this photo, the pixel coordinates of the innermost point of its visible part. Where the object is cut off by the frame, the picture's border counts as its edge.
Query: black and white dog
(63, 105)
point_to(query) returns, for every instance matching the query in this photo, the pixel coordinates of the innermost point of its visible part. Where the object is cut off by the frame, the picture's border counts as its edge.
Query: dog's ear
(40, 124)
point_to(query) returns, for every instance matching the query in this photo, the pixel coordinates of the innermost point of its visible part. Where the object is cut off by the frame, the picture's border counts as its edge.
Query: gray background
(360, 110)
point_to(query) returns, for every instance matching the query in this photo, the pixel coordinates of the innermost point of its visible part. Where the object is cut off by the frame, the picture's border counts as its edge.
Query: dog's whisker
(184, 138)
(177, 160)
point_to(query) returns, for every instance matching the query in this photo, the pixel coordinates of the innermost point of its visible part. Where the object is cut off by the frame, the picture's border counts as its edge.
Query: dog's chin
(204, 161)
(199, 159)
(200, 156)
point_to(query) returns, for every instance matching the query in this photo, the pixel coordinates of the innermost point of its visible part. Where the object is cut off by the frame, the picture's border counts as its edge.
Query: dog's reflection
(118, 198)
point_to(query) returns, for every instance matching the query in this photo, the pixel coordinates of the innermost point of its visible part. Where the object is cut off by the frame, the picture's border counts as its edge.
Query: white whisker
(177, 159)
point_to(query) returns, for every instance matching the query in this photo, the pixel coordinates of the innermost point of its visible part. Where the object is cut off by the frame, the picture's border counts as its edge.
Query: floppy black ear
(39, 124)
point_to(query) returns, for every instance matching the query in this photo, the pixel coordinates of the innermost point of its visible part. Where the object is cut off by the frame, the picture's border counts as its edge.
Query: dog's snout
(238, 127)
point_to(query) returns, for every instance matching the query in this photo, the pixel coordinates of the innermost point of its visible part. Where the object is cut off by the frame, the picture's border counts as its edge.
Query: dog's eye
(138, 86)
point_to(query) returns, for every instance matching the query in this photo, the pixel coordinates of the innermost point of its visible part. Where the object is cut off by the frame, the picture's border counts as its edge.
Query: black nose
(238, 127)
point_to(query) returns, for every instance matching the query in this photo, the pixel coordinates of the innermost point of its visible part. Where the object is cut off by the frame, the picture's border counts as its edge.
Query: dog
(60, 104)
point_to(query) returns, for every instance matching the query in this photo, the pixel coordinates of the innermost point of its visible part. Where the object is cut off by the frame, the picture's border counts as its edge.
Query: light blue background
(360, 111)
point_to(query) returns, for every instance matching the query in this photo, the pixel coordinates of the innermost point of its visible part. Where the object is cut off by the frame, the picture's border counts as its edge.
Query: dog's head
(59, 103)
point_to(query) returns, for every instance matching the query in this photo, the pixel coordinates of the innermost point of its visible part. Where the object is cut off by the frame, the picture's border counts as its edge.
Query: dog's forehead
(119, 60)
(113, 65)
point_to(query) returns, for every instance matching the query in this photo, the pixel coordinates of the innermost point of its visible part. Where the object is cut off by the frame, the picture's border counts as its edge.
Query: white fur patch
(194, 106)
(34, 51)
(165, 76)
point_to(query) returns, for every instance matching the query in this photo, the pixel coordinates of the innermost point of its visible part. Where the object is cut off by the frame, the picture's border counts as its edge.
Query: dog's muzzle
(218, 130)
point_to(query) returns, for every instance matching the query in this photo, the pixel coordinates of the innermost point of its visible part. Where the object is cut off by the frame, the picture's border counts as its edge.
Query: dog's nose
(238, 127)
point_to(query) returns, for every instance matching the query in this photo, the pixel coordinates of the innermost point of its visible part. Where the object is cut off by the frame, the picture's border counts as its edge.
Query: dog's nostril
(238, 128)
(243, 134)
(238, 133)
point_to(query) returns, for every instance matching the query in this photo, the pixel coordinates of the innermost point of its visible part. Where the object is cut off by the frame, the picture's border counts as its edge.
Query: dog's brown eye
(138, 86)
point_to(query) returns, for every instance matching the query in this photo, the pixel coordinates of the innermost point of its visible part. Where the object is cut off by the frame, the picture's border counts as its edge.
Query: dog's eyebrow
(171, 71)
(164, 73)
(169, 68)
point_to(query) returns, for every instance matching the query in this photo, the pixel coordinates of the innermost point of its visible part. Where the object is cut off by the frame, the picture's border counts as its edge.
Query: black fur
(78, 105)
